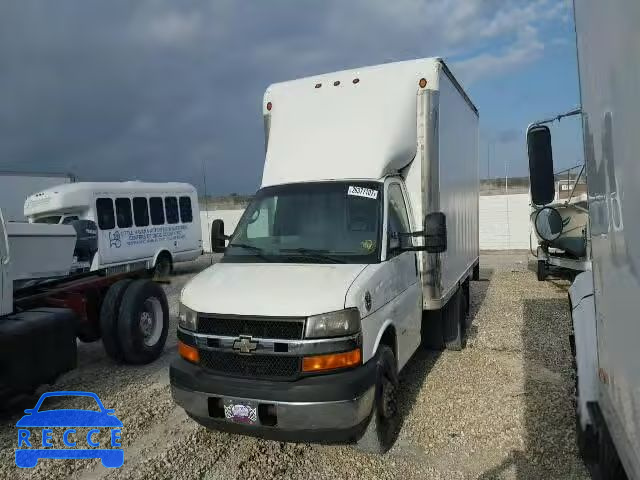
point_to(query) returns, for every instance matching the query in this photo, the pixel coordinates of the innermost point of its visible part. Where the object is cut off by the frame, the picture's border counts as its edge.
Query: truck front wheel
(384, 423)
(143, 322)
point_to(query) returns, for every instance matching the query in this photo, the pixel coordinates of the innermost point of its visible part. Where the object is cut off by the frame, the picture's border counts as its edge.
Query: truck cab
(333, 272)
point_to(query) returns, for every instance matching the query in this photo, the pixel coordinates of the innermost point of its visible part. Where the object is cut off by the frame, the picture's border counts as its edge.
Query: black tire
(163, 267)
(143, 322)
(609, 466)
(384, 422)
(466, 303)
(431, 330)
(542, 270)
(453, 323)
(476, 272)
(109, 319)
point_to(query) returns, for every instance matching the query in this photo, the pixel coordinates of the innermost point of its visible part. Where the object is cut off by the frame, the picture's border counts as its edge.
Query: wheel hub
(146, 324)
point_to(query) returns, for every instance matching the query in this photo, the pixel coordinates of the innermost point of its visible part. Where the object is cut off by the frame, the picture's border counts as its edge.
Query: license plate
(241, 411)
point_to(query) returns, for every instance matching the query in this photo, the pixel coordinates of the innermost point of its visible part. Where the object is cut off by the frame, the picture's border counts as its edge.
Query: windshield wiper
(257, 250)
(312, 254)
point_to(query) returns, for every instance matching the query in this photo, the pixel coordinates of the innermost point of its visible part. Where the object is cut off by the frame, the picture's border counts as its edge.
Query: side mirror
(435, 233)
(543, 189)
(217, 236)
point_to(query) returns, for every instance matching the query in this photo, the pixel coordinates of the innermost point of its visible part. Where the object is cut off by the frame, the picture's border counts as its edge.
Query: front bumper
(331, 408)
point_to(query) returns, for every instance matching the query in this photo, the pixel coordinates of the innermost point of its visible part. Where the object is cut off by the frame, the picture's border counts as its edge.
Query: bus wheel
(163, 267)
(143, 322)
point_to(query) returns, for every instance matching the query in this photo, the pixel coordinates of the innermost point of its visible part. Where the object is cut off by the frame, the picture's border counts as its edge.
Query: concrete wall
(504, 222)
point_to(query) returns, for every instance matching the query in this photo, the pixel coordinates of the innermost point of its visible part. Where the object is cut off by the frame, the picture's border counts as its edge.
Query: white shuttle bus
(139, 225)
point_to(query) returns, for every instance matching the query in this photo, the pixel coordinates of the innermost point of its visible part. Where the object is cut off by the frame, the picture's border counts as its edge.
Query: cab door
(402, 265)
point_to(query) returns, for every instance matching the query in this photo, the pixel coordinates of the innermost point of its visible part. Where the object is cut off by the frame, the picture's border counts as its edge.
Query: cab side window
(398, 217)
(106, 217)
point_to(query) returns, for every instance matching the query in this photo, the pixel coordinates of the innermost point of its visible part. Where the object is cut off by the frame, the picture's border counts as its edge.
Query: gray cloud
(115, 90)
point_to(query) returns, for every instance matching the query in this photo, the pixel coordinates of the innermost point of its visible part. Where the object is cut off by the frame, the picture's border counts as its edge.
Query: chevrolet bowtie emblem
(245, 345)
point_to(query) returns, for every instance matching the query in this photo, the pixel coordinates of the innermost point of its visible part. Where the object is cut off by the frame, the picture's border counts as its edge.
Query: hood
(270, 289)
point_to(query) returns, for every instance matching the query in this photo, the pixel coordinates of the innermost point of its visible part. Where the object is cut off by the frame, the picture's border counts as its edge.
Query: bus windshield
(52, 219)
(324, 222)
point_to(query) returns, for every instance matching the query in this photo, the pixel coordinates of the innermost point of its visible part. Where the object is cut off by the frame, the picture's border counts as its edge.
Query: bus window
(123, 212)
(157, 210)
(171, 209)
(106, 219)
(186, 214)
(140, 211)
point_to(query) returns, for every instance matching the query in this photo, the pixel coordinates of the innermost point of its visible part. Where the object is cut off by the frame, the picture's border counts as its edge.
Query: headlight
(333, 324)
(187, 318)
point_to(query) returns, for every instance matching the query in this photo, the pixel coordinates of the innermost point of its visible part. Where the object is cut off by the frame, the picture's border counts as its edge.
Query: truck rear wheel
(384, 423)
(454, 322)
(143, 322)
(109, 319)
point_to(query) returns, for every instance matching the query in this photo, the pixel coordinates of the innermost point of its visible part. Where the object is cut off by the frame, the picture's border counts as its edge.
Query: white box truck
(361, 241)
(604, 301)
(15, 187)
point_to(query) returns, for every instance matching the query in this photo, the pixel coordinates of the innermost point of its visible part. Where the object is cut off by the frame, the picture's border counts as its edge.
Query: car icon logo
(29, 452)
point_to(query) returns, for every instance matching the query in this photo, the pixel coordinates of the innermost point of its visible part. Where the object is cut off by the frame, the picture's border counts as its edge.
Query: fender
(388, 322)
(157, 254)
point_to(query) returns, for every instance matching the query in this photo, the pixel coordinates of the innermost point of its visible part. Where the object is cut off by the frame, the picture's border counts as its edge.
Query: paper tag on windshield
(362, 192)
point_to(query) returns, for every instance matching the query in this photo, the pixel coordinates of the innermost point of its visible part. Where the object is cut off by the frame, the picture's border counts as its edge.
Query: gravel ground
(499, 409)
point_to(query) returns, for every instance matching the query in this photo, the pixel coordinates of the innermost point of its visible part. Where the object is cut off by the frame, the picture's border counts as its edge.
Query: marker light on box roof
(422, 83)
(336, 83)
(269, 106)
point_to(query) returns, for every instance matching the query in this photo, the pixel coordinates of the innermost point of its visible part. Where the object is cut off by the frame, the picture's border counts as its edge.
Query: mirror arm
(412, 234)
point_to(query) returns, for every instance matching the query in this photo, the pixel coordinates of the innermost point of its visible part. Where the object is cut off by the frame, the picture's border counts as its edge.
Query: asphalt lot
(501, 408)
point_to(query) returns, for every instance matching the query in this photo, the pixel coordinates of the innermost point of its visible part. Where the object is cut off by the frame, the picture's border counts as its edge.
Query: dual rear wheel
(134, 321)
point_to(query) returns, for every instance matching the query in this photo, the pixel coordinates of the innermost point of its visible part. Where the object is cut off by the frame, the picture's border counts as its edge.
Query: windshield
(328, 222)
(53, 219)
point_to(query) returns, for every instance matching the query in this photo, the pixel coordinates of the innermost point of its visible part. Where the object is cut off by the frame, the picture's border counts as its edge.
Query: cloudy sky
(155, 89)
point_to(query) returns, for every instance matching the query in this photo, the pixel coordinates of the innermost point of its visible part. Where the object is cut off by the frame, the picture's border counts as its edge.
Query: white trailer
(139, 225)
(15, 187)
(362, 241)
(604, 302)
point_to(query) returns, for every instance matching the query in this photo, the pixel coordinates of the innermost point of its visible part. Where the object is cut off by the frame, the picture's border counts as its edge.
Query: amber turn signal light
(321, 363)
(188, 352)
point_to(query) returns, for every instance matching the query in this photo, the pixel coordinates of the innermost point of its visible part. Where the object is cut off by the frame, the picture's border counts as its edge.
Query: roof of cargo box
(352, 124)
(82, 194)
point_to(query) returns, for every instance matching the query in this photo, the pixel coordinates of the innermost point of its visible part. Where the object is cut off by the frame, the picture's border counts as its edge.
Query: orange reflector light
(332, 361)
(422, 82)
(269, 106)
(188, 352)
